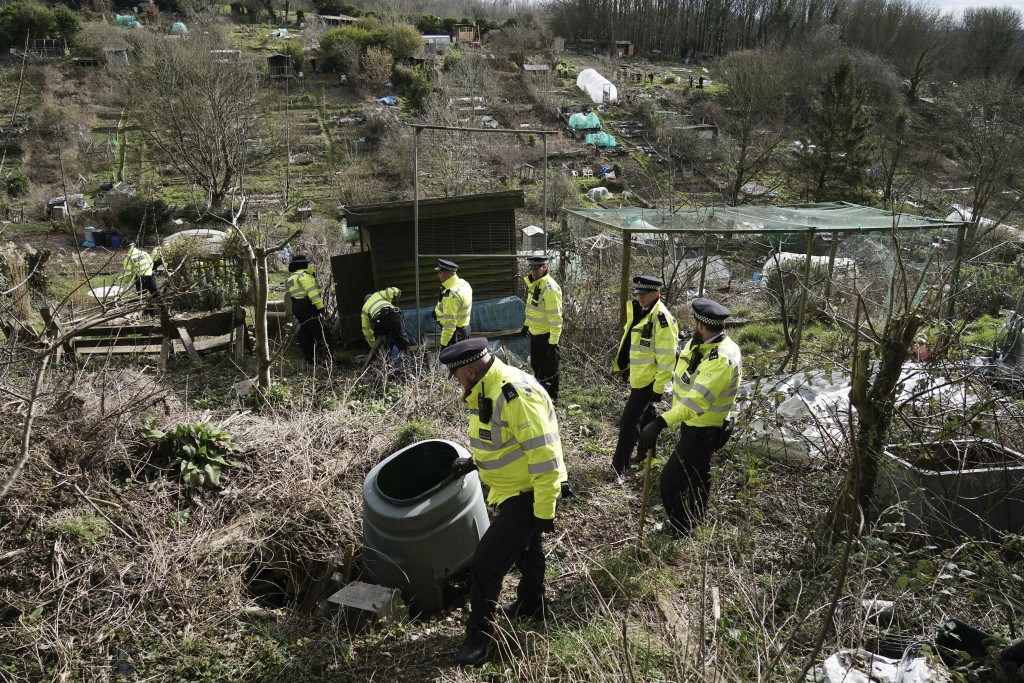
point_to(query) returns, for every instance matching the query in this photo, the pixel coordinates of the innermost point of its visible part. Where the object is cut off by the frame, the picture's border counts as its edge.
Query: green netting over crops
(584, 121)
(757, 219)
(600, 139)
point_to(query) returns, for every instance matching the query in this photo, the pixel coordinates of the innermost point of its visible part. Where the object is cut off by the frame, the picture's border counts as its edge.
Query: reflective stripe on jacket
(544, 307)
(377, 302)
(520, 448)
(303, 285)
(652, 345)
(704, 397)
(454, 308)
(137, 263)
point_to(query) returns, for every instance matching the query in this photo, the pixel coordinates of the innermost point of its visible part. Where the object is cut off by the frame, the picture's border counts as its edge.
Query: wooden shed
(472, 224)
(279, 66)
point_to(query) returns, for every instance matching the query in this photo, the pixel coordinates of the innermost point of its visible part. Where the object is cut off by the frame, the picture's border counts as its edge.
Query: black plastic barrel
(421, 525)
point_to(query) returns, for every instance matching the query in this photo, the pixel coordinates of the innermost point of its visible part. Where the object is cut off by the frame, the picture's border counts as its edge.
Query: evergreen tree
(835, 167)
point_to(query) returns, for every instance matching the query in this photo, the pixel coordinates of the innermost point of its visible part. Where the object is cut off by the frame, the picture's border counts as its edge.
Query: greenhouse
(598, 88)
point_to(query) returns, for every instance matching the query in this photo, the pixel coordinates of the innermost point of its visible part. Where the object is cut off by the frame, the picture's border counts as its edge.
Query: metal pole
(703, 266)
(831, 266)
(544, 190)
(627, 240)
(416, 225)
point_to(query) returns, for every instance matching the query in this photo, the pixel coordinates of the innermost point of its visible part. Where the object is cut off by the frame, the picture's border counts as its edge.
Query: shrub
(197, 451)
(137, 215)
(413, 86)
(293, 48)
(17, 184)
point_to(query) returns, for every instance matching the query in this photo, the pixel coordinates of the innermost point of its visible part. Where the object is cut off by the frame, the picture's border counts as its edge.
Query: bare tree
(984, 124)
(199, 114)
(753, 113)
(377, 64)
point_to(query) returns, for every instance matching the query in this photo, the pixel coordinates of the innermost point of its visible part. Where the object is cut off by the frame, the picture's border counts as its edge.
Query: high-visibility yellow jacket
(377, 302)
(519, 449)
(544, 307)
(704, 397)
(454, 308)
(302, 284)
(137, 263)
(652, 337)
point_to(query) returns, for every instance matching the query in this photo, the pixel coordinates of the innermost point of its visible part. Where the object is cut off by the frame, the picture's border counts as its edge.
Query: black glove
(624, 375)
(649, 435)
(543, 525)
(525, 331)
(656, 396)
(463, 466)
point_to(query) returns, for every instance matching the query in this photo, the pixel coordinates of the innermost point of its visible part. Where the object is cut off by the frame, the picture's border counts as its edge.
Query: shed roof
(761, 219)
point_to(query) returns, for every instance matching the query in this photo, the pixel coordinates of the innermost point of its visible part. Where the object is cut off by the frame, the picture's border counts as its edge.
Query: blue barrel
(421, 524)
(115, 241)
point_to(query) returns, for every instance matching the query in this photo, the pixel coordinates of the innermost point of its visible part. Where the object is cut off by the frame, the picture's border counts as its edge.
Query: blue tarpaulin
(489, 315)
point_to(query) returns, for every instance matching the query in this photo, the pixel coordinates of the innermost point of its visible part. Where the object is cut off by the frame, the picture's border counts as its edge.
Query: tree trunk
(875, 403)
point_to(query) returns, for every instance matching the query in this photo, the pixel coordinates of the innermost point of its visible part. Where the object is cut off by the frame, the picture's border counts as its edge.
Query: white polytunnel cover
(598, 88)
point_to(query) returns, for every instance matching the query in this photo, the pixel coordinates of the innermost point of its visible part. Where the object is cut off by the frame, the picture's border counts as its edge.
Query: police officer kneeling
(704, 384)
(513, 434)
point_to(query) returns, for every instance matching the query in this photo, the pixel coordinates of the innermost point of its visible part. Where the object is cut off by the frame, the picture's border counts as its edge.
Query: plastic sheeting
(489, 315)
(808, 422)
(598, 193)
(861, 666)
(598, 88)
(584, 121)
(601, 140)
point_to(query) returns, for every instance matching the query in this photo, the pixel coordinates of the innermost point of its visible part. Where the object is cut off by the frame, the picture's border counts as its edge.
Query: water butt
(421, 524)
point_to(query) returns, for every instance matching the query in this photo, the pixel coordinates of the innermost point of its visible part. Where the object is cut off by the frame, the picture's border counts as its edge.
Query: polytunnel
(598, 88)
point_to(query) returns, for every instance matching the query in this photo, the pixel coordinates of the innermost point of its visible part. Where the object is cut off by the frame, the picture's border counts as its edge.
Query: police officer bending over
(647, 352)
(382, 319)
(455, 307)
(543, 323)
(704, 385)
(513, 434)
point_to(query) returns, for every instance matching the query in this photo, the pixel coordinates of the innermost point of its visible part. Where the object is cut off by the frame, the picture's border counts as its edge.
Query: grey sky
(956, 6)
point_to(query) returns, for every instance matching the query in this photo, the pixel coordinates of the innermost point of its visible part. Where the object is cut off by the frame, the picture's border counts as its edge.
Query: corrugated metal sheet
(475, 224)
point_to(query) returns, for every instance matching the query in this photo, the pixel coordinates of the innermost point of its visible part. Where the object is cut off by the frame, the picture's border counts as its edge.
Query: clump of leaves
(197, 451)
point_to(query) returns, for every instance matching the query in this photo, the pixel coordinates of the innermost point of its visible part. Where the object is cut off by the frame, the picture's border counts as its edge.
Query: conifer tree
(835, 168)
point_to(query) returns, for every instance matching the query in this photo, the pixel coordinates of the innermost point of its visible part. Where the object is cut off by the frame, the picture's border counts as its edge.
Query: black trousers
(148, 283)
(511, 540)
(639, 411)
(545, 360)
(390, 325)
(460, 334)
(311, 331)
(686, 477)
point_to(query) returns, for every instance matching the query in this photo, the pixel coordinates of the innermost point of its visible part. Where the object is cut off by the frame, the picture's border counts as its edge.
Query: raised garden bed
(954, 489)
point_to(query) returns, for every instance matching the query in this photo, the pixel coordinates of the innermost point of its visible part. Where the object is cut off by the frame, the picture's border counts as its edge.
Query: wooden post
(799, 331)
(643, 500)
(831, 266)
(189, 346)
(238, 330)
(703, 266)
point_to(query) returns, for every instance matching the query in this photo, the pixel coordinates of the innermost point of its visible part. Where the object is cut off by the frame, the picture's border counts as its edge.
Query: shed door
(353, 280)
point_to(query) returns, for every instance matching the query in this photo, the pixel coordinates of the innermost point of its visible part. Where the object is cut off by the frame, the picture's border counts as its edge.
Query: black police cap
(445, 264)
(537, 261)
(643, 284)
(463, 353)
(298, 262)
(709, 312)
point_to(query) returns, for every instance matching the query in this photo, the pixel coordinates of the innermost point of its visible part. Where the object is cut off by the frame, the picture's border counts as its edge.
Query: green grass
(86, 527)
(758, 338)
(983, 331)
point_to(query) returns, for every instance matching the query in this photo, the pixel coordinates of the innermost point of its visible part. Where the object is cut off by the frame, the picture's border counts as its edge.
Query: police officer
(382, 319)
(138, 266)
(543, 323)
(307, 307)
(456, 304)
(513, 434)
(704, 385)
(647, 352)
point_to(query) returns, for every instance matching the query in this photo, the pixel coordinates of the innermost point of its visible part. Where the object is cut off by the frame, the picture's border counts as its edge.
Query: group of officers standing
(515, 441)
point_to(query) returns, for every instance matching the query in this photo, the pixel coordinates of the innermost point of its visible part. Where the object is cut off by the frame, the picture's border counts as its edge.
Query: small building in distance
(279, 66)
(466, 34)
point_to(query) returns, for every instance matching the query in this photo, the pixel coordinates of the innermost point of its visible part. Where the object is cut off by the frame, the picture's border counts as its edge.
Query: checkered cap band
(646, 287)
(708, 320)
(467, 360)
